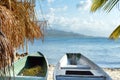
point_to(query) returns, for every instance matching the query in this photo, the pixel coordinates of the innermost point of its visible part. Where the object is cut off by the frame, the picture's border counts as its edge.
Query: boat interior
(73, 61)
(72, 65)
(33, 65)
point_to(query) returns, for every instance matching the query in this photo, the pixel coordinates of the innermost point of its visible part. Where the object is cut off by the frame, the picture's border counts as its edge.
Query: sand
(113, 73)
(50, 72)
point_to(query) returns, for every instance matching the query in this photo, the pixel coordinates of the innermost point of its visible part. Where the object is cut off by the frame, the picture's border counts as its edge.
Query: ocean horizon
(102, 51)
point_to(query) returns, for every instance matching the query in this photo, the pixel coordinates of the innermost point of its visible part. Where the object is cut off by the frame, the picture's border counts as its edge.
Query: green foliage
(116, 33)
(110, 4)
(97, 4)
(107, 5)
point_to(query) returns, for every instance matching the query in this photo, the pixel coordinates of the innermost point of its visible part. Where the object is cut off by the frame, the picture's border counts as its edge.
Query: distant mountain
(58, 33)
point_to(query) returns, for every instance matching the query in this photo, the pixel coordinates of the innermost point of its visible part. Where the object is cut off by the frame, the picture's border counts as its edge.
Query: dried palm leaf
(17, 21)
(6, 55)
(12, 27)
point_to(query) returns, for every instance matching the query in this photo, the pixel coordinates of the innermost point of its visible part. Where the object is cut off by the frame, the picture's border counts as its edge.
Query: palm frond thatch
(6, 55)
(11, 27)
(18, 21)
(116, 33)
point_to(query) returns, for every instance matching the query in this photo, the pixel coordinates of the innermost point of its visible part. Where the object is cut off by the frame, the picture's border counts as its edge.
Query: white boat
(75, 66)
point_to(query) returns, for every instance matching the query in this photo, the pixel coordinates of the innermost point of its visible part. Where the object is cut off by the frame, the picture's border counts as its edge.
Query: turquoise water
(103, 51)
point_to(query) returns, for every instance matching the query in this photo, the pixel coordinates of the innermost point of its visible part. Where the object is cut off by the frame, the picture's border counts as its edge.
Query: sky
(75, 16)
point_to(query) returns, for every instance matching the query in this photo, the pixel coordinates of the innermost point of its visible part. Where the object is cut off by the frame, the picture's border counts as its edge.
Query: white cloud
(84, 4)
(50, 1)
(89, 26)
(61, 9)
(65, 8)
(84, 24)
(52, 10)
(51, 15)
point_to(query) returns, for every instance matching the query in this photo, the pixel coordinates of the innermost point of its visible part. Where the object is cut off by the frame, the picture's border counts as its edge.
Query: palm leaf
(116, 33)
(107, 5)
(97, 4)
(6, 55)
(18, 21)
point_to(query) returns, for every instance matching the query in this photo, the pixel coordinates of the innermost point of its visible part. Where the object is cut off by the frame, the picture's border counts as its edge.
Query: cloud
(84, 4)
(89, 26)
(50, 1)
(61, 9)
(65, 8)
(51, 15)
(96, 25)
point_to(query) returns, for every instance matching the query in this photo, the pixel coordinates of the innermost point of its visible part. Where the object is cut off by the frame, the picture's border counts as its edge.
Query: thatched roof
(17, 21)
(6, 55)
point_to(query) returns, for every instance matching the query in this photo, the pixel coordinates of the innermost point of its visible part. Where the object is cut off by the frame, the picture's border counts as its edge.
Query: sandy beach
(114, 73)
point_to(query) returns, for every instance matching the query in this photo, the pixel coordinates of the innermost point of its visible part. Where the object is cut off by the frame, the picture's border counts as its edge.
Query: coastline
(114, 73)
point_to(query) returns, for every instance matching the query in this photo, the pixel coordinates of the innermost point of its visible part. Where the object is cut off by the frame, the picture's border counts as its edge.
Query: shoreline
(114, 73)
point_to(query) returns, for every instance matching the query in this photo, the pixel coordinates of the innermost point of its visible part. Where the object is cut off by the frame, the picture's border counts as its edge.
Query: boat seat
(75, 67)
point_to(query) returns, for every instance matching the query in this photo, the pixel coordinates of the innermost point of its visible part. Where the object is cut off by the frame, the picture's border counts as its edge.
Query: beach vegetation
(107, 5)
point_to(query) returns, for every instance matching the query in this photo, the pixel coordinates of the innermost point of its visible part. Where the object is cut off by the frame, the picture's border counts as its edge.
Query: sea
(102, 51)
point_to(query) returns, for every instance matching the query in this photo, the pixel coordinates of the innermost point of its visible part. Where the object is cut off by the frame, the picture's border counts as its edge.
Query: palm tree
(106, 5)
